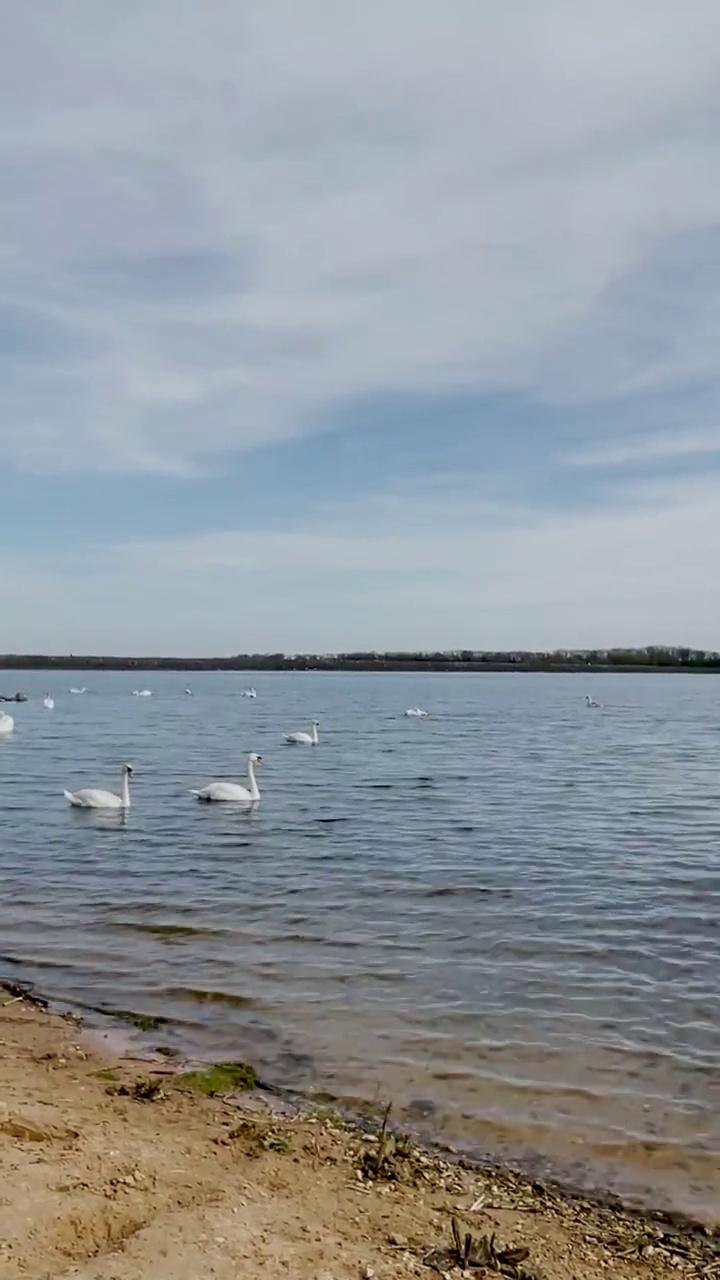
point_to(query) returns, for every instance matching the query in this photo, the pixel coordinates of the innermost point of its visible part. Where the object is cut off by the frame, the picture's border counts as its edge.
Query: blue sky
(341, 327)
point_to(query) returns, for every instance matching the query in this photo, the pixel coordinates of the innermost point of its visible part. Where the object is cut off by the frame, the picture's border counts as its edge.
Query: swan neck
(315, 734)
(125, 792)
(254, 789)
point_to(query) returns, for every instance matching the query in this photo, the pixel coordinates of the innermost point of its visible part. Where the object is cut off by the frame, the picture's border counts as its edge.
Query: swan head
(127, 770)
(316, 724)
(255, 758)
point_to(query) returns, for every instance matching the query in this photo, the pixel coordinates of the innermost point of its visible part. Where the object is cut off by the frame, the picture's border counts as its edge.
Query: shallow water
(506, 917)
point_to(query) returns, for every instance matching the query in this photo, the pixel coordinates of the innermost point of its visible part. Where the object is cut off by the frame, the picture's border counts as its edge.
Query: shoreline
(115, 1164)
(92, 664)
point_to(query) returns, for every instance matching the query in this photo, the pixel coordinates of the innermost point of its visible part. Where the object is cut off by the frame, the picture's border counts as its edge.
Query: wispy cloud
(643, 572)
(367, 326)
(221, 239)
(658, 447)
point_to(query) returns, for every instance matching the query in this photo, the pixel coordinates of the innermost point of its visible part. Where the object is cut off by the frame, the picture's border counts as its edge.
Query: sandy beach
(119, 1169)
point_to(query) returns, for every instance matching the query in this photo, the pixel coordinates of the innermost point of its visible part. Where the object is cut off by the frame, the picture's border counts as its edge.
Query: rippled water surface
(506, 916)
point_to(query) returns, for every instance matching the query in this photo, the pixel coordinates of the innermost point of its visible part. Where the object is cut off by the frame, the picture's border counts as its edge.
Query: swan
(48, 702)
(142, 693)
(7, 724)
(83, 690)
(304, 739)
(189, 692)
(590, 702)
(89, 798)
(248, 693)
(416, 711)
(232, 790)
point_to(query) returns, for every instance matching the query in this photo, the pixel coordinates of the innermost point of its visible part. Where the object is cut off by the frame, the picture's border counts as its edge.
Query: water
(505, 917)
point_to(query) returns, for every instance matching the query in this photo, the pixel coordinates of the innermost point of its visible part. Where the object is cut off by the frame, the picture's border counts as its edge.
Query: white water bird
(248, 693)
(416, 711)
(48, 702)
(304, 739)
(7, 724)
(233, 791)
(590, 702)
(189, 692)
(89, 798)
(142, 693)
(83, 690)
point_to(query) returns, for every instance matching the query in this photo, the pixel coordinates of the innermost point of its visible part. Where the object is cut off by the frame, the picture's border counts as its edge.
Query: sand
(98, 1184)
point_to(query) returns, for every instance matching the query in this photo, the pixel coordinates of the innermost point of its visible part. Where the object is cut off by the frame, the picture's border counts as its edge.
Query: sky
(329, 326)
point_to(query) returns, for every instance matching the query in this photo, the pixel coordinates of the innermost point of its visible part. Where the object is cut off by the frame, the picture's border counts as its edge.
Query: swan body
(590, 702)
(7, 724)
(233, 791)
(248, 693)
(91, 798)
(416, 711)
(304, 739)
(189, 692)
(48, 702)
(142, 693)
(83, 690)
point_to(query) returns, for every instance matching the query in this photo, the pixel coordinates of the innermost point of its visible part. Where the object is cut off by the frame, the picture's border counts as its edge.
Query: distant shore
(622, 661)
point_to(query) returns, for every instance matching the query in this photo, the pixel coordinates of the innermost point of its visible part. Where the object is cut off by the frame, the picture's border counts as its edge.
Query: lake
(504, 917)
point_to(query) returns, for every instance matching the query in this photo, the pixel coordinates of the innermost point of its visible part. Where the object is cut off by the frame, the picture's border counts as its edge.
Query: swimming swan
(189, 692)
(232, 790)
(590, 702)
(415, 711)
(304, 739)
(7, 724)
(248, 693)
(48, 702)
(83, 690)
(142, 693)
(90, 798)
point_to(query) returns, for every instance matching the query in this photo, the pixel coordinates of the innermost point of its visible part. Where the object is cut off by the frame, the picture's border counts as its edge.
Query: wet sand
(102, 1182)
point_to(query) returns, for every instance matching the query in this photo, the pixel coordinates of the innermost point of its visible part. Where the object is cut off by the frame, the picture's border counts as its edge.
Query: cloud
(406, 573)
(658, 447)
(221, 228)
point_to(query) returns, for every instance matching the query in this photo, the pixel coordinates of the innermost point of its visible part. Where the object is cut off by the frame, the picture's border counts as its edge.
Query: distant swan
(248, 693)
(232, 791)
(7, 724)
(189, 692)
(142, 693)
(48, 702)
(304, 739)
(590, 702)
(77, 690)
(89, 798)
(415, 711)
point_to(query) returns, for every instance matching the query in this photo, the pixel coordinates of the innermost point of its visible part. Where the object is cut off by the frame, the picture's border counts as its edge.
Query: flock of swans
(213, 792)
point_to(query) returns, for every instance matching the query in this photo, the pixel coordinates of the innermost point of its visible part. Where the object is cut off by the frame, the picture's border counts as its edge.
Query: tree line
(651, 657)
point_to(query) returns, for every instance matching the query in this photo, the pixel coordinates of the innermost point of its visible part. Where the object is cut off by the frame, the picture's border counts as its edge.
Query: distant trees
(652, 657)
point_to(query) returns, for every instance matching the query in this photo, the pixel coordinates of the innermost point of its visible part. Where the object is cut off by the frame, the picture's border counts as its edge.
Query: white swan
(189, 692)
(7, 724)
(142, 693)
(590, 702)
(89, 798)
(83, 690)
(248, 693)
(304, 739)
(416, 711)
(48, 702)
(232, 791)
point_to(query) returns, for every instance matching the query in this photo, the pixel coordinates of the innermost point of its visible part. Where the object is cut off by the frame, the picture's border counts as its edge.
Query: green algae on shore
(223, 1077)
